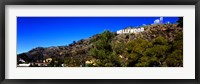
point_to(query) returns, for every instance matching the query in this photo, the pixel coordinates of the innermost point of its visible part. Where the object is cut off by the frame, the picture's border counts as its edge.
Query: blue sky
(35, 32)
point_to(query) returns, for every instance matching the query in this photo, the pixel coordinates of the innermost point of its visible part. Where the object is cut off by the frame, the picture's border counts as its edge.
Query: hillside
(160, 45)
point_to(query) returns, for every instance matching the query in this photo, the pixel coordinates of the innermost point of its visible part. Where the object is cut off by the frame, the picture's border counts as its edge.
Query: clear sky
(35, 32)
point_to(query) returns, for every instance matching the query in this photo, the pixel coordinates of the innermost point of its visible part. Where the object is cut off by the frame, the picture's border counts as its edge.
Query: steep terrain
(160, 45)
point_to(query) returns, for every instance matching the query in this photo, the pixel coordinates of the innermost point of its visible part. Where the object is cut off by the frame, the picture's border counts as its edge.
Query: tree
(74, 42)
(135, 50)
(118, 47)
(175, 59)
(103, 50)
(180, 21)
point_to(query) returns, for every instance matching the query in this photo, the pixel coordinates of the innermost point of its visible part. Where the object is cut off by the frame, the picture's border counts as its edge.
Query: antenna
(161, 20)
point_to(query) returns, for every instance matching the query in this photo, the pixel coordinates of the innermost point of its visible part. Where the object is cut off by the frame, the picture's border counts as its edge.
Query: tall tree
(180, 21)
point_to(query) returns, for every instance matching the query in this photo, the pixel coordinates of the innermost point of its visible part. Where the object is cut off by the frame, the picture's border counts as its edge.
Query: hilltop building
(158, 21)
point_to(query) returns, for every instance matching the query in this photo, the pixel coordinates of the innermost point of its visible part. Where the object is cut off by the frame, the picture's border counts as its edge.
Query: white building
(158, 21)
(130, 30)
(21, 60)
(24, 65)
(168, 22)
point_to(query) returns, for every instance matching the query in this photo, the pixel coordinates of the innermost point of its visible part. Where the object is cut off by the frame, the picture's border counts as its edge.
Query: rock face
(80, 51)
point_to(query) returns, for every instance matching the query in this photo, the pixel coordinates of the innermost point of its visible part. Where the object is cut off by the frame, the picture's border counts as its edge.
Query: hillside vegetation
(160, 45)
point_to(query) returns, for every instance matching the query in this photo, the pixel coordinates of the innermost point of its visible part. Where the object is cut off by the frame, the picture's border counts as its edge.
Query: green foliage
(137, 46)
(160, 41)
(143, 53)
(175, 59)
(139, 52)
(106, 51)
(157, 51)
(70, 62)
(118, 47)
(146, 61)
